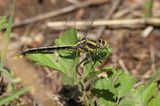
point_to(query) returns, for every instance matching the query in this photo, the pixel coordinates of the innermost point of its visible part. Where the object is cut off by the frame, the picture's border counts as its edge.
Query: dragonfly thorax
(89, 45)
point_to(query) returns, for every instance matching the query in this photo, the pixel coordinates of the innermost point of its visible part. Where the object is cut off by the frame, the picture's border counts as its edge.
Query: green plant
(13, 93)
(148, 8)
(116, 88)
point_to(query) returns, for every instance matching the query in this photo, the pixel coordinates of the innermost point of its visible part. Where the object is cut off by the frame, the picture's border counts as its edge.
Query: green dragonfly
(92, 49)
(88, 46)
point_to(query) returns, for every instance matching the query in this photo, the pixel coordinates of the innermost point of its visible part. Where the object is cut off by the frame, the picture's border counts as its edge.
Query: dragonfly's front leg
(84, 59)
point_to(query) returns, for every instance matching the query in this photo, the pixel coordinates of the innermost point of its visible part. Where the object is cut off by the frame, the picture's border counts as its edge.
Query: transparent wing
(86, 28)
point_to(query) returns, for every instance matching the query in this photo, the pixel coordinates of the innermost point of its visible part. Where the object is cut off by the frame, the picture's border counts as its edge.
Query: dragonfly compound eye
(102, 43)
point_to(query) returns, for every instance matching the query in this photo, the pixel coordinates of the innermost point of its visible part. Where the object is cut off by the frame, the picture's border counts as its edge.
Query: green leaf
(6, 39)
(43, 59)
(69, 37)
(154, 76)
(148, 92)
(64, 61)
(110, 90)
(13, 96)
(8, 75)
(140, 96)
(68, 80)
(155, 101)
(148, 8)
(126, 83)
(127, 101)
(105, 92)
(3, 22)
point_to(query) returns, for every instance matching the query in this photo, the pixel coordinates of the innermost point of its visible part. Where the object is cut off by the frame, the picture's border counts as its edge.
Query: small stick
(152, 56)
(118, 22)
(147, 31)
(123, 66)
(123, 12)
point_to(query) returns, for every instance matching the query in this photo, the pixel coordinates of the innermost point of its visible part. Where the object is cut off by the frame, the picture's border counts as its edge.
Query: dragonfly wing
(88, 24)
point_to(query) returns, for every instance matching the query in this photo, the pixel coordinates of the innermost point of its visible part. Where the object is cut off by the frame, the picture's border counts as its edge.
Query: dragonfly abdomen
(49, 49)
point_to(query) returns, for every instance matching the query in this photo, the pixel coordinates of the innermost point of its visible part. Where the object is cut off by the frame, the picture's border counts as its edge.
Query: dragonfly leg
(84, 59)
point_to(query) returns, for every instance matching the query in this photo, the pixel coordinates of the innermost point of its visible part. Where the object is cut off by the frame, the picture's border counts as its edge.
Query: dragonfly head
(102, 44)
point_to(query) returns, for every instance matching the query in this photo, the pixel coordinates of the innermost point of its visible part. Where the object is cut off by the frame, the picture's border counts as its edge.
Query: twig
(152, 56)
(120, 22)
(123, 66)
(116, 78)
(124, 12)
(138, 84)
(147, 31)
(75, 2)
(115, 6)
(57, 12)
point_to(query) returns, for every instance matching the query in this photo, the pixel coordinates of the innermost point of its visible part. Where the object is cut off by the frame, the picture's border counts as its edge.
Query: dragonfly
(88, 46)
(85, 45)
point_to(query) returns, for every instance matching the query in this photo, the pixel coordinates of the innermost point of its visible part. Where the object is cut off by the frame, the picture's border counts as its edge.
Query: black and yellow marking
(49, 49)
(84, 45)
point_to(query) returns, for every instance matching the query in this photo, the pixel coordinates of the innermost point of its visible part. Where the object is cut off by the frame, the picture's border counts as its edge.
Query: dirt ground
(136, 45)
